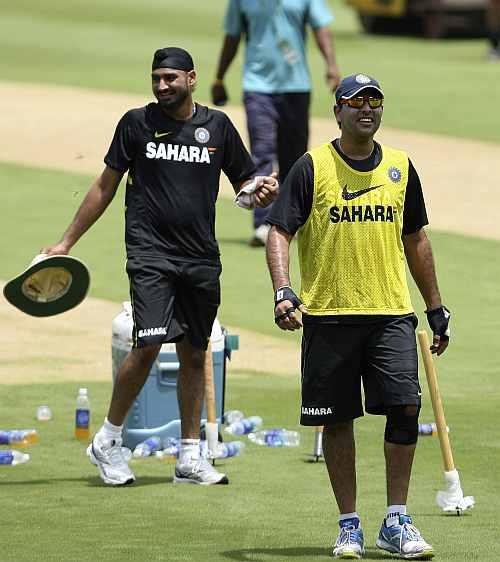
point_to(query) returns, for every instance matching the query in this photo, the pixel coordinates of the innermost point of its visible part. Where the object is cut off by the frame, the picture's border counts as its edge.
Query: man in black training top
(359, 211)
(174, 151)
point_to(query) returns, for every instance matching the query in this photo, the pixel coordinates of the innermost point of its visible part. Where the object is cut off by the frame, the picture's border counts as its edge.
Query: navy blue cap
(352, 85)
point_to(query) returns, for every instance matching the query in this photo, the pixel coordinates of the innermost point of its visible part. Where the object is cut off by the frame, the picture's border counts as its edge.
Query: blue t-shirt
(275, 56)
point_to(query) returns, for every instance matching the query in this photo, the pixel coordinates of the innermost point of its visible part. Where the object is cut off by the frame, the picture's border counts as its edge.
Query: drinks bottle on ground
(244, 426)
(232, 416)
(229, 449)
(429, 429)
(275, 438)
(19, 437)
(170, 450)
(43, 413)
(82, 415)
(13, 457)
(147, 448)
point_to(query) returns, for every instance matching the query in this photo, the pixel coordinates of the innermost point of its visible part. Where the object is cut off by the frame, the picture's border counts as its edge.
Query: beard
(175, 101)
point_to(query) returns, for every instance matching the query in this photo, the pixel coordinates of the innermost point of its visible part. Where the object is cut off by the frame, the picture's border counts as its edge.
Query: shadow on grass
(305, 552)
(92, 481)
(139, 483)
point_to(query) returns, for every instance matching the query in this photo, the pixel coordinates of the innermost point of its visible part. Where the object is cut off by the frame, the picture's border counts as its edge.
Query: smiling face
(172, 87)
(360, 123)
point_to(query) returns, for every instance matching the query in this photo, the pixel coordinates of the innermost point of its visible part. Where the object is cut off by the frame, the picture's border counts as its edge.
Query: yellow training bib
(350, 249)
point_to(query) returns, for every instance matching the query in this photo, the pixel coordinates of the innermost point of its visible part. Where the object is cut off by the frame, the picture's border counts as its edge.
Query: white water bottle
(10, 457)
(229, 449)
(233, 416)
(244, 426)
(275, 438)
(147, 448)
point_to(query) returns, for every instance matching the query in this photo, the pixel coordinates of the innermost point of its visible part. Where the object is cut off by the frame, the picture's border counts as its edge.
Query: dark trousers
(278, 127)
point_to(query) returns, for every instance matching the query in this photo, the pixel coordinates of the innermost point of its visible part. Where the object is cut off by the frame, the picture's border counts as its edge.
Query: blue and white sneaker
(404, 539)
(350, 542)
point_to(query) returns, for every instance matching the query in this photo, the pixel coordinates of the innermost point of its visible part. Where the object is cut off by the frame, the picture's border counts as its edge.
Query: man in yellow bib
(358, 209)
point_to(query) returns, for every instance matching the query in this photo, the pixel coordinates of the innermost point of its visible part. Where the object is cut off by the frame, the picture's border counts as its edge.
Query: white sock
(110, 431)
(393, 513)
(189, 451)
(344, 516)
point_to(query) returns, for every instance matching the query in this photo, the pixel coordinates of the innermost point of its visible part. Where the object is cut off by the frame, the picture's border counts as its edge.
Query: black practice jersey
(173, 179)
(294, 203)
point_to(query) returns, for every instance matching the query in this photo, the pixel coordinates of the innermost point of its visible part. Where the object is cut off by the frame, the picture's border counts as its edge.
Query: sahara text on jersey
(178, 153)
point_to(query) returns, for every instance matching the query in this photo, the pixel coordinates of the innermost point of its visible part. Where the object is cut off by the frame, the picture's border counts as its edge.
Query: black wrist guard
(286, 294)
(438, 319)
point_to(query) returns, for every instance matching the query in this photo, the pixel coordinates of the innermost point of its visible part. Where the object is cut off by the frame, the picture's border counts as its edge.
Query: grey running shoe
(198, 472)
(107, 455)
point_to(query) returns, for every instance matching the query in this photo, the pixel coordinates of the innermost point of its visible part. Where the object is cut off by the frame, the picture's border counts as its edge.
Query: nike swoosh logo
(348, 195)
(160, 135)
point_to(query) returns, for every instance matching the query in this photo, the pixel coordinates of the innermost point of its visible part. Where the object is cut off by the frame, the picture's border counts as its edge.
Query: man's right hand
(286, 302)
(59, 249)
(219, 94)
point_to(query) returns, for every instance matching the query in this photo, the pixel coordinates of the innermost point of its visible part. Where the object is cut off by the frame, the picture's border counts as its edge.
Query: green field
(443, 87)
(278, 507)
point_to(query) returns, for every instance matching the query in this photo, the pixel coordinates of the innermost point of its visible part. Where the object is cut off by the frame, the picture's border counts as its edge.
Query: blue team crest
(202, 135)
(394, 174)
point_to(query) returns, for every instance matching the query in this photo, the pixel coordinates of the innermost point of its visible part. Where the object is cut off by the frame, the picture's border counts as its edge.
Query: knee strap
(401, 428)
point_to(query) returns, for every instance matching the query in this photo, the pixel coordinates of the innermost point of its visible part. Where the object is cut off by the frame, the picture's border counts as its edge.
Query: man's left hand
(439, 319)
(267, 190)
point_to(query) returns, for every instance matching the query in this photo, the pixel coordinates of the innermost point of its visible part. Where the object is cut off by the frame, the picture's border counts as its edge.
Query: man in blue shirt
(276, 81)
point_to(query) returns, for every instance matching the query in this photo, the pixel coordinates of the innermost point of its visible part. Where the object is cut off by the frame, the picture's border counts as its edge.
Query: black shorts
(337, 357)
(172, 299)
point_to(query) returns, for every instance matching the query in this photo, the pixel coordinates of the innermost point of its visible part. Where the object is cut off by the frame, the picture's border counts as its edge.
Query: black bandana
(172, 57)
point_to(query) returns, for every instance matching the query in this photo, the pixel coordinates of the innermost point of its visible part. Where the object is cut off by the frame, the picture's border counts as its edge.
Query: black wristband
(438, 319)
(286, 293)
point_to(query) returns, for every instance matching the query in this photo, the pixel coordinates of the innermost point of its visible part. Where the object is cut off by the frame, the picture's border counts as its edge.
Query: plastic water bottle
(43, 413)
(229, 449)
(82, 415)
(170, 450)
(147, 448)
(275, 438)
(429, 429)
(233, 416)
(13, 457)
(19, 437)
(244, 426)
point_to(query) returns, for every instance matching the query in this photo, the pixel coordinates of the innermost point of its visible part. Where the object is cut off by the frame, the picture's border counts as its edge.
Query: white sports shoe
(198, 472)
(107, 455)
(260, 236)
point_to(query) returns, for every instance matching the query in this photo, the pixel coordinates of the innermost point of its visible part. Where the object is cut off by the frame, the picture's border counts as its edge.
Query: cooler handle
(164, 368)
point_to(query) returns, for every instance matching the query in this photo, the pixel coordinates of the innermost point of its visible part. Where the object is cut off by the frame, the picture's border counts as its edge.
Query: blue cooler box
(155, 411)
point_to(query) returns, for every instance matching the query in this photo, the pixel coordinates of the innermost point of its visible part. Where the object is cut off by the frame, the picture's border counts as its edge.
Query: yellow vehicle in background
(433, 18)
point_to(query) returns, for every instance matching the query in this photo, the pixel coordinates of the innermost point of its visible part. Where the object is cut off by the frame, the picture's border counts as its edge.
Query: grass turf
(108, 44)
(246, 287)
(278, 506)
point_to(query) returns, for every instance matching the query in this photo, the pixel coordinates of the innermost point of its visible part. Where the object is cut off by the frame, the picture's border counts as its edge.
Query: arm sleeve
(237, 163)
(414, 214)
(233, 19)
(319, 15)
(123, 149)
(293, 206)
